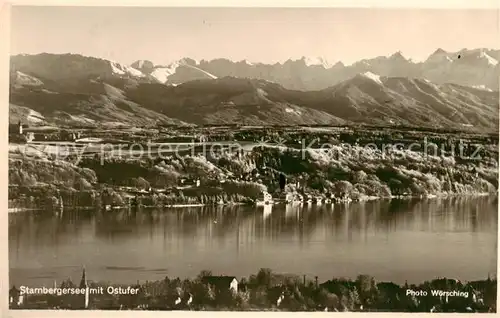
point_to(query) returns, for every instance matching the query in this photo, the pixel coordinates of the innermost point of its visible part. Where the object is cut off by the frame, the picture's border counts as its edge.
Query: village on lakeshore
(276, 171)
(266, 290)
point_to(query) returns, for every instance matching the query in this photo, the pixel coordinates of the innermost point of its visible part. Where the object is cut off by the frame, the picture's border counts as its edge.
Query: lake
(398, 240)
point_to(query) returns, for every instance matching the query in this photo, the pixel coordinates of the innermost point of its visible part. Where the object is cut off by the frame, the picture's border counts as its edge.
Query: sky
(266, 35)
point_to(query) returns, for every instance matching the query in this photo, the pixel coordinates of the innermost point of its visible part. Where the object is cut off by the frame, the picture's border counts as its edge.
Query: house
(221, 283)
(190, 182)
(289, 197)
(267, 198)
(286, 197)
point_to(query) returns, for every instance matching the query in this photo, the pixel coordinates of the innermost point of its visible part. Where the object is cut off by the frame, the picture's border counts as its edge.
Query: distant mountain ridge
(469, 67)
(476, 67)
(71, 89)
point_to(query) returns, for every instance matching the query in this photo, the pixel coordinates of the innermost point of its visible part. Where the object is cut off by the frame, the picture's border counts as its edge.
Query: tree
(342, 187)
(82, 184)
(359, 176)
(259, 297)
(140, 183)
(367, 288)
(327, 299)
(202, 295)
(264, 277)
(203, 273)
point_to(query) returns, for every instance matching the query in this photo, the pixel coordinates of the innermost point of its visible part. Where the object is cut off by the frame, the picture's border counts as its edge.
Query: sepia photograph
(253, 159)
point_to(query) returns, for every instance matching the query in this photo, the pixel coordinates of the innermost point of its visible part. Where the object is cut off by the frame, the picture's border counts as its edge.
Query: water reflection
(267, 211)
(397, 240)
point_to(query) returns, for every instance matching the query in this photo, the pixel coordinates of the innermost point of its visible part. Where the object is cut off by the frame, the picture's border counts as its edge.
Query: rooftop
(218, 279)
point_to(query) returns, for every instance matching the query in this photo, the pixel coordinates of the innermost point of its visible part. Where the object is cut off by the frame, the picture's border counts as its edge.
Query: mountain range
(477, 67)
(450, 90)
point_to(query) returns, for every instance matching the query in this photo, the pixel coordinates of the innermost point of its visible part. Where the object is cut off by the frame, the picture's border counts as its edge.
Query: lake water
(413, 240)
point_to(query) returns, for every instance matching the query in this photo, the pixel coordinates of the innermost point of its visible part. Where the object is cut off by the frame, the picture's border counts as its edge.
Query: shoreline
(275, 203)
(272, 291)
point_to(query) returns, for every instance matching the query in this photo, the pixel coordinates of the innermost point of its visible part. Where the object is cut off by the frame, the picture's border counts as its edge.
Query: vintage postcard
(253, 159)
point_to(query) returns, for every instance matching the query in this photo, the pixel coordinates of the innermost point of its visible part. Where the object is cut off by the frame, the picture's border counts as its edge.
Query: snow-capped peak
(439, 55)
(339, 64)
(361, 63)
(142, 64)
(398, 56)
(488, 58)
(439, 51)
(120, 69)
(162, 73)
(202, 71)
(245, 61)
(188, 61)
(374, 77)
(318, 61)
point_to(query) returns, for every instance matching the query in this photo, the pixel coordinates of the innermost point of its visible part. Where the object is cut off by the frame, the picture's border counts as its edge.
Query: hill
(71, 89)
